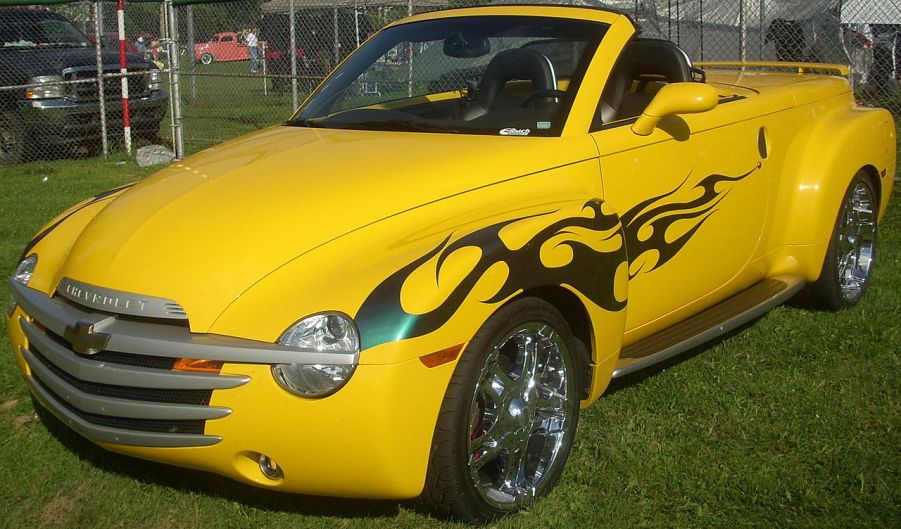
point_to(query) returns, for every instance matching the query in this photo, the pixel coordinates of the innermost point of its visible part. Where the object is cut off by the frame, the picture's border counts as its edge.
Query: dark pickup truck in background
(43, 49)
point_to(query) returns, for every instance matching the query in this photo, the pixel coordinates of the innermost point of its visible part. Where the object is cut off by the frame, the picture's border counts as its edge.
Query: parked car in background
(42, 49)
(223, 47)
(427, 282)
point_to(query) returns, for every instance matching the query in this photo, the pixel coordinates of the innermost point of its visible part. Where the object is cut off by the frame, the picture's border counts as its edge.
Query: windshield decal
(510, 131)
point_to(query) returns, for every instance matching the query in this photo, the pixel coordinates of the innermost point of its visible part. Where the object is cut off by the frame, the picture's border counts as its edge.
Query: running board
(705, 326)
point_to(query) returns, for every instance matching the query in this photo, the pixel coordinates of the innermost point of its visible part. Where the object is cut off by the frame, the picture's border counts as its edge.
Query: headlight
(329, 332)
(45, 87)
(25, 269)
(153, 83)
(22, 275)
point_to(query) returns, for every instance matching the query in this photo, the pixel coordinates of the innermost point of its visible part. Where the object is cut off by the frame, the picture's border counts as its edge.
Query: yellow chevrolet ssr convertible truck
(476, 222)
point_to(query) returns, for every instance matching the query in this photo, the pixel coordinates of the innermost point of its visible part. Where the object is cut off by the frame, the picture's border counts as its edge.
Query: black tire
(206, 58)
(471, 417)
(848, 266)
(12, 138)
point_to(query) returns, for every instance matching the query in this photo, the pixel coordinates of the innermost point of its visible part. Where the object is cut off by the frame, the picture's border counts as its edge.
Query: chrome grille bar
(117, 407)
(121, 375)
(106, 434)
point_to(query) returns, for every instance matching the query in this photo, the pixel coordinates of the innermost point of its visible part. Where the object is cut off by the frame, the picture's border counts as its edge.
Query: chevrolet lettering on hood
(109, 300)
(413, 291)
(101, 301)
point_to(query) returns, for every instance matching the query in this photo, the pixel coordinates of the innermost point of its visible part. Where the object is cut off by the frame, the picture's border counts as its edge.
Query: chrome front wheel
(519, 414)
(509, 416)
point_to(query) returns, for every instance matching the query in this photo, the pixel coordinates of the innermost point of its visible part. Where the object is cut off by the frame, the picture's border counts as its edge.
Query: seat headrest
(657, 57)
(513, 64)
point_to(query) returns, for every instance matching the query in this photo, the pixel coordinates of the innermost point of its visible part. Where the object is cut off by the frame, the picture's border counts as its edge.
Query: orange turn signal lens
(441, 357)
(194, 364)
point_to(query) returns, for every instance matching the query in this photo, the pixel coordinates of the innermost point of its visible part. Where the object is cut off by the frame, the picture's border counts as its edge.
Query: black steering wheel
(544, 92)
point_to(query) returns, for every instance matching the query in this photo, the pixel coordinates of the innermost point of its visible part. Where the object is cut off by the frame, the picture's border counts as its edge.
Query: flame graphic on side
(590, 271)
(382, 317)
(646, 224)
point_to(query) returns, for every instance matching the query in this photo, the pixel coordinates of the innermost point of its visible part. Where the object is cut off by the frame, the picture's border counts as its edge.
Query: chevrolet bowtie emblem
(84, 340)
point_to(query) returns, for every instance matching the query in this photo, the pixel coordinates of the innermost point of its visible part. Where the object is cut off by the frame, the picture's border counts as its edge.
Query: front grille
(98, 352)
(113, 395)
(138, 85)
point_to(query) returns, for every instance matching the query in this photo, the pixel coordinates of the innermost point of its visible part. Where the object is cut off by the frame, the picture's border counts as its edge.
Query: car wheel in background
(12, 138)
(206, 58)
(509, 416)
(848, 266)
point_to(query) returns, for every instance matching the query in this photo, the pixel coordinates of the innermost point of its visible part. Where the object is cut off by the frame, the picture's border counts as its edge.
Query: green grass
(792, 422)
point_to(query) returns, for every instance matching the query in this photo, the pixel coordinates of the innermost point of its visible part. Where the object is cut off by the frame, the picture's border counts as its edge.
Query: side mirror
(675, 98)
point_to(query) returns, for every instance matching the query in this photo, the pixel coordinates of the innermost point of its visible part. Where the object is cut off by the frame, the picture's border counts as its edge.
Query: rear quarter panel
(834, 140)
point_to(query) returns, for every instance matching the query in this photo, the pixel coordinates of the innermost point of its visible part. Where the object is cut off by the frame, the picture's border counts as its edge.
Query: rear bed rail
(800, 67)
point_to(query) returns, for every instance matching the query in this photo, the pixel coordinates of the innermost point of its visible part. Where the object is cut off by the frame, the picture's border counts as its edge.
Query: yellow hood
(203, 231)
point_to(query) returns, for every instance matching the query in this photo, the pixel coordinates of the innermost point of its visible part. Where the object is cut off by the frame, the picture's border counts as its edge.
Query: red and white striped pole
(123, 69)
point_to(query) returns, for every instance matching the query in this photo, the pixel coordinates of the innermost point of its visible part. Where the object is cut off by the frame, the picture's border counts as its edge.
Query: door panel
(693, 204)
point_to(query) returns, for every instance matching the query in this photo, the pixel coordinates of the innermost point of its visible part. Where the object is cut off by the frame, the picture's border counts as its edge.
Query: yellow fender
(822, 160)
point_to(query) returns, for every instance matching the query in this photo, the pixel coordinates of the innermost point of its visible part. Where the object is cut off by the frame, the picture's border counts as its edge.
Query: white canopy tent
(871, 12)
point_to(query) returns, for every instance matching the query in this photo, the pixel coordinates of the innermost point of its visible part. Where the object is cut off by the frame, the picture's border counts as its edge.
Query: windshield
(499, 75)
(34, 32)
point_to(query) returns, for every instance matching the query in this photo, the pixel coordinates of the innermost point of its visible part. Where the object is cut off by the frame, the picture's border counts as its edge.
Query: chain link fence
(244, 65)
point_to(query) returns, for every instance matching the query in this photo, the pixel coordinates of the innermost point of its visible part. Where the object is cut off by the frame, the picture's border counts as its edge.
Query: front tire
(848, 266)
(509, 416)
(206, 58)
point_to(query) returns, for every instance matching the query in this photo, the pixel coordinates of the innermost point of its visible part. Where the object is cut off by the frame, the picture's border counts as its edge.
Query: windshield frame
(316, 110)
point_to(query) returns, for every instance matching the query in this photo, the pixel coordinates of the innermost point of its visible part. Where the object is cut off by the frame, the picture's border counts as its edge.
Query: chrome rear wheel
(851, 255)
(856, 241)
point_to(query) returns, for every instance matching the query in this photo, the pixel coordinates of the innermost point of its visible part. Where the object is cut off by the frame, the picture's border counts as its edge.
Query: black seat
(513, 64)
(641, 60)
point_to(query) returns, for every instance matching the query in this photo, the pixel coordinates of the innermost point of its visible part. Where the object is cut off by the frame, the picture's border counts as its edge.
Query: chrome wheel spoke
(530, 363)
(514, 471)
(552, 406)
(486, 450)
(498, 385)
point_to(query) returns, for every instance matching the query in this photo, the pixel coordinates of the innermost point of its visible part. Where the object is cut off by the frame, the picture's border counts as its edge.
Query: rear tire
(509, 416)
(848, 266)
(206, 58)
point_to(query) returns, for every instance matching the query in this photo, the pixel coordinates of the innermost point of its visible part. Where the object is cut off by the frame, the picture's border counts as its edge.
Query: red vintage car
(225, 46)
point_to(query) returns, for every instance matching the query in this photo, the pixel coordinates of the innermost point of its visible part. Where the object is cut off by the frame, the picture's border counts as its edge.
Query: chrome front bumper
(61, 121)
